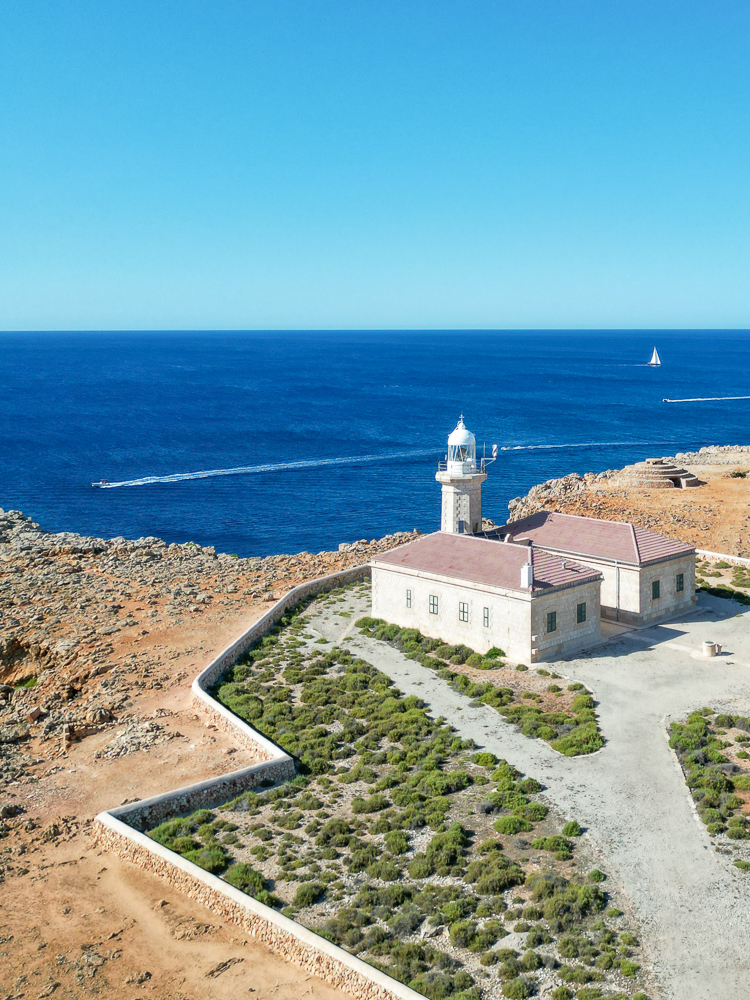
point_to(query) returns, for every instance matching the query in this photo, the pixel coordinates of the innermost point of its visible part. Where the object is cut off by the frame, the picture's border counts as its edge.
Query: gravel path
(694, 906)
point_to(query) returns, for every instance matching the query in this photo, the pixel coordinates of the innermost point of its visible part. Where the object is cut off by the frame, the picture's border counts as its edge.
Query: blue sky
(268, 164)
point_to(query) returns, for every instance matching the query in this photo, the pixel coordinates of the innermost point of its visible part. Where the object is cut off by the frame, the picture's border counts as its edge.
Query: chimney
(527, 576)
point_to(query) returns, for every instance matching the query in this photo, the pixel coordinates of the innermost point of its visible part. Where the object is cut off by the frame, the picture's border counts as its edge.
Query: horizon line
(391, 329)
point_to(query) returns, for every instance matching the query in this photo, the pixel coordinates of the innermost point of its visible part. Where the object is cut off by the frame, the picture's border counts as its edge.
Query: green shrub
(577, 974)
(628, 968)
(596, 876)
(397, 842)
(385, 870)
(308, 893)
(572, 829)
(212, 859)
(485, 759)
(511, 825)
(562, 993)
(494, 654)
(421, 868)
(245, 878)
(742, 865)
(518, 989)
(375, 803)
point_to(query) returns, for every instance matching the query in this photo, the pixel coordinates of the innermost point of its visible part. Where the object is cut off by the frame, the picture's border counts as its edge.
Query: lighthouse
(461, 480)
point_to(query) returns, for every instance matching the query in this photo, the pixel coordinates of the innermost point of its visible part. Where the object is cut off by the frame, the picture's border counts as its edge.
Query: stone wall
(569, 636)
(278, 933)
(720, 557)
(509, 611)
(120, 830)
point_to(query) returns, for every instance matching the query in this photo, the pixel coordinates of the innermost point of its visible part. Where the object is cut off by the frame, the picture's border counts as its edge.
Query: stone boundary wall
(720, 557)
(119, 830)
(278, 933)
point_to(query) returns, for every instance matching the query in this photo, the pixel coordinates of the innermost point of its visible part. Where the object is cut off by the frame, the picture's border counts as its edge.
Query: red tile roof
(590, 536)
(479, 560)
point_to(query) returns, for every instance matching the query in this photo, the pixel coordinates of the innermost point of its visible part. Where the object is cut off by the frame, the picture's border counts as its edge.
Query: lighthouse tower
(462, 484)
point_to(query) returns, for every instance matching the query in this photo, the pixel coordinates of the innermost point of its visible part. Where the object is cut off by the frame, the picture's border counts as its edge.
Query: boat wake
(270, 467)
(703, 399)
(587, 444)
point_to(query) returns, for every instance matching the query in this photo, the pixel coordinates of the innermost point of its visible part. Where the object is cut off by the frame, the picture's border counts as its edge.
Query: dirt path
(694, 906)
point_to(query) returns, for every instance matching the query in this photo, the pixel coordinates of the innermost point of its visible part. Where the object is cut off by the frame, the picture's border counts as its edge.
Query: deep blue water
(75, 408)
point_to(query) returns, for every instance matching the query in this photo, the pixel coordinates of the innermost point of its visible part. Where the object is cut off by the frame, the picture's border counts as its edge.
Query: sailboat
(655, 359)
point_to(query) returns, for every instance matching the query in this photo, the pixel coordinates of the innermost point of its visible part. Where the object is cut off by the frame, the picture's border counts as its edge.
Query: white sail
(655, 359)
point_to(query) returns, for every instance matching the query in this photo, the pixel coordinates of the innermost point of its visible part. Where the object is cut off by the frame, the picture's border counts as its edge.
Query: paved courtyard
(694, 906)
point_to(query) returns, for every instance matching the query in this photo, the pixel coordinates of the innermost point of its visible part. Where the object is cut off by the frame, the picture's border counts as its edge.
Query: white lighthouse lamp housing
(462, 450)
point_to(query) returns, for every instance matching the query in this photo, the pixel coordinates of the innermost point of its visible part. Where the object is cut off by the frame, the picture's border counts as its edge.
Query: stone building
(645, 576)
(530, 603)
(536, 588)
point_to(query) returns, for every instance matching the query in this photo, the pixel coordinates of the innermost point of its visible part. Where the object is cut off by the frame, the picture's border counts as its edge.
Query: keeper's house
(645, 576)
(533, 604)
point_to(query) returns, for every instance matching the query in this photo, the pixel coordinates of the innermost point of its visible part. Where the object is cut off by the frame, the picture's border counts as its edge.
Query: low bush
(518, 989)
(572, 829)
(308, 893)
(578, 974)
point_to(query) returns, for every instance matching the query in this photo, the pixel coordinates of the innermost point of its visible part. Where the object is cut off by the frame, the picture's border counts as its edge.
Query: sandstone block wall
(278, 933)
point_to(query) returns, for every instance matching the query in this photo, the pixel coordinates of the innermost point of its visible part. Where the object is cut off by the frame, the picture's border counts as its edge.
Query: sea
(280, 442)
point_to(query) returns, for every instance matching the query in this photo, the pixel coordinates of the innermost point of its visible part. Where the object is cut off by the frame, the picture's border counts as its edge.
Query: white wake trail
(704, 399)
(586, 444)
(245, 470)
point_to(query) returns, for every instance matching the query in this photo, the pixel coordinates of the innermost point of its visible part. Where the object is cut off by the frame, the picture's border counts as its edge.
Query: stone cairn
(657, 474)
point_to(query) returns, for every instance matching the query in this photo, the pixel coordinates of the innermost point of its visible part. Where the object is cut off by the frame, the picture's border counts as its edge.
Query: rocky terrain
(714, 516)
(99, 641)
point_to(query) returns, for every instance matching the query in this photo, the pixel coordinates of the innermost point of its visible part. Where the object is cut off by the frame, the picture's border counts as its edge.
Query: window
(463, 611)
(655, 590)
(408, 598)
(581, 613)
(679, 583)
(486, 617)
(552, 621)
(433, 604)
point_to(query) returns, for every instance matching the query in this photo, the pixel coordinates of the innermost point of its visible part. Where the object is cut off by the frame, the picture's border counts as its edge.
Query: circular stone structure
(656, 474)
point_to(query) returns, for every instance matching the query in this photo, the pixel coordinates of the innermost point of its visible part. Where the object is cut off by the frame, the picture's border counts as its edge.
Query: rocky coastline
(79, 616)
(552, 491)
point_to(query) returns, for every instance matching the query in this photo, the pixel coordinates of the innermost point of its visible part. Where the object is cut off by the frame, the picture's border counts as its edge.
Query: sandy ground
(93, 925)
(715, 516)
(692, 904)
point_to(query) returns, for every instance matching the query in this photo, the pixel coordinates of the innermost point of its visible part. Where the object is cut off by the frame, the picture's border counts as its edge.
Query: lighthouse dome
(462, 448)
(461, 437)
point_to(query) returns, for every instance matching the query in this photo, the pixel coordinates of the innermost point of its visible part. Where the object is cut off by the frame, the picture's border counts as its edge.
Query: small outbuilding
(531, 603)
(646, 576)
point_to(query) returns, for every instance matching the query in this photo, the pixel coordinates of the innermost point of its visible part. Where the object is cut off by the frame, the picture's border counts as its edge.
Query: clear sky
(374, 163)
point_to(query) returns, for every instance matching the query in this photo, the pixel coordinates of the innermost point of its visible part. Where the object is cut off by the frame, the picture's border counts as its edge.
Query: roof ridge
(561, 513)
(635, 544)
(584, 517)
